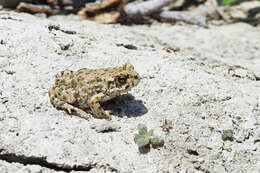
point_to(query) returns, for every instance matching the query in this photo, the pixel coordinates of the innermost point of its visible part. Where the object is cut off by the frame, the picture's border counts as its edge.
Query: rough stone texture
(211, 85)
(246, 11)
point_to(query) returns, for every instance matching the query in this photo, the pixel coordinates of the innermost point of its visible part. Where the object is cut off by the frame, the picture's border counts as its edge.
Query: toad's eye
(121, 79)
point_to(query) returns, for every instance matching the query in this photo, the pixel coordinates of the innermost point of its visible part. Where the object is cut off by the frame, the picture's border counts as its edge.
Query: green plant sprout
(230, 2)
(145, 138)
(227, 2)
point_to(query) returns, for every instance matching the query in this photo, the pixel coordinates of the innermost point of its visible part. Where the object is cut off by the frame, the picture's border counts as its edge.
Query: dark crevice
(10, 18)
(109, 130)
(199, 168)
(57, 28)
(192, 152)
(41, 161)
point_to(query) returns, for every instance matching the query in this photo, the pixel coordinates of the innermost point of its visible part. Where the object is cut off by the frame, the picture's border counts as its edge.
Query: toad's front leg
(98, 111)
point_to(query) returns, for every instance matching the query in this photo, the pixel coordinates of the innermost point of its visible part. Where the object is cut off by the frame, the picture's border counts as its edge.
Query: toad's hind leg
(98, 111)
(60, 104)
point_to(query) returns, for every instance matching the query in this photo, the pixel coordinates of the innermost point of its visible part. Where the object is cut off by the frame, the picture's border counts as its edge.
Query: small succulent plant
(146, 138)
(228, 135)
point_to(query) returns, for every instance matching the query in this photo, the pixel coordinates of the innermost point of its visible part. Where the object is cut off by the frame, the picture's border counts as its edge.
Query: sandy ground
(211, 85)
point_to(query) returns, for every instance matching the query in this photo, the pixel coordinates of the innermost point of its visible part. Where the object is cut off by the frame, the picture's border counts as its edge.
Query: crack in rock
(41, 161)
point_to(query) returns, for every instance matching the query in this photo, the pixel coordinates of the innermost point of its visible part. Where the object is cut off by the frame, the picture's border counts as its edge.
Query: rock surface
(211, 85)
(247, 11)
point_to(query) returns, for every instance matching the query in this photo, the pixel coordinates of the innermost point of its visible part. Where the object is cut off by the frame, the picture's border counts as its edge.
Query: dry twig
(145, 8)
(107, 11)
(186, 16)
(31, 8)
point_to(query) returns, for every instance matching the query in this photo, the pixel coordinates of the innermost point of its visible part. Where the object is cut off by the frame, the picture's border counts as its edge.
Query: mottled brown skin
(75, 91)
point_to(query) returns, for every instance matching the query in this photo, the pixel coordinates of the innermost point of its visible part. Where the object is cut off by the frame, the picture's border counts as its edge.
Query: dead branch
(106, 11)
(145, 8)
(31, 8)
(186, 16)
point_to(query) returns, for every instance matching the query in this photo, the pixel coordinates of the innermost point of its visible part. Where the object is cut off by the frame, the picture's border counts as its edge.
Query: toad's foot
(99, 112)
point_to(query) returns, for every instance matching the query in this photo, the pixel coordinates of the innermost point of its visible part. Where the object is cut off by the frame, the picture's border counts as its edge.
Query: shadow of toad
(125, 105)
